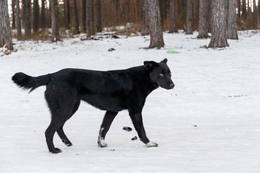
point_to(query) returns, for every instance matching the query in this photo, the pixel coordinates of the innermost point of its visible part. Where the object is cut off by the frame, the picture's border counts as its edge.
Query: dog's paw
(67, 142)
(152, 144)
(102, 143)
(55, 151)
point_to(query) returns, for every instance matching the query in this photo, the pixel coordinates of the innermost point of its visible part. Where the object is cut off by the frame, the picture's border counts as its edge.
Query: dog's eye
(161, 75)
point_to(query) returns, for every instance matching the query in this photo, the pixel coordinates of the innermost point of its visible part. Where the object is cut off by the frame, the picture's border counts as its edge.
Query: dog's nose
(171, 85)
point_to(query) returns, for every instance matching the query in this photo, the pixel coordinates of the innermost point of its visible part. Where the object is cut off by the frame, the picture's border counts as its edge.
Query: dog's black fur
(111, 91)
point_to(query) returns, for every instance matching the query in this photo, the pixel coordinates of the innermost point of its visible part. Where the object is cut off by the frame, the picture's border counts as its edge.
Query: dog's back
(106, 90)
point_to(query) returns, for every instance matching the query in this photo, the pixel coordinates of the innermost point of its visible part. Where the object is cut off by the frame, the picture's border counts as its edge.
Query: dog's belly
(114, 104)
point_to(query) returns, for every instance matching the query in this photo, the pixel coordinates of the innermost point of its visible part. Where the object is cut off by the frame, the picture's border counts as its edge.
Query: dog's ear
(164, 61)
(150, 65)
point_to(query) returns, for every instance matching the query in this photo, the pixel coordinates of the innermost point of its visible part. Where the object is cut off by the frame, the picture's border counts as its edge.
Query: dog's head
(160, 73)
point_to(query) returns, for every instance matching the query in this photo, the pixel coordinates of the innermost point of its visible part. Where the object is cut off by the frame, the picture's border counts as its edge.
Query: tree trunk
(27, 18)
(48, 15)
(67, 14)
(54, 21)
(74, 17)
(99, 24)
(18, 20)
(145, 21)
(5, 30)
(238, 8)
(244, 9)
(84, 15)
(13, 14)
(196, 9)
(189, 18)
(219, 28)
(210, 16)
(182, 5)
(117, 10)
(203, 19)
(255, 15)
(258, 8)
(90, 18)
(22, 13)
(155, 26)
(139, 10)
(35, 16)
(127, 10)
(173, 16)
(248, 8)
(232, 20)
(43, 17)
(163, 11)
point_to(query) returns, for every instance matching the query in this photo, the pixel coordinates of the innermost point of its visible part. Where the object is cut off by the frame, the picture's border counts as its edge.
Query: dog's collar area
(153, 83)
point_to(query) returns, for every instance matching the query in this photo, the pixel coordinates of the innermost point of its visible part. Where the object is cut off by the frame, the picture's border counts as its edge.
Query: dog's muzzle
(171, 86)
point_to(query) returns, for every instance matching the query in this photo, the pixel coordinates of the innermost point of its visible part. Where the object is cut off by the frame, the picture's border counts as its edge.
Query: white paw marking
(152, 144)
(102, 143)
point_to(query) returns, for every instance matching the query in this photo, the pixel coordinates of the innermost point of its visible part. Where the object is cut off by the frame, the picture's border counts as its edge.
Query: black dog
(111, 91)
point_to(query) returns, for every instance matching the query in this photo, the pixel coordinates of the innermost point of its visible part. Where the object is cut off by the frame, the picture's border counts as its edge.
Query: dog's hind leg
(61, 102)
(60, 131)
(108, 119)
(57, 121)
(63, 137)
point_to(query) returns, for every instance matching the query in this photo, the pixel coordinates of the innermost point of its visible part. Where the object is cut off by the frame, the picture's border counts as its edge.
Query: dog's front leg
(139, 127)
(108, 119)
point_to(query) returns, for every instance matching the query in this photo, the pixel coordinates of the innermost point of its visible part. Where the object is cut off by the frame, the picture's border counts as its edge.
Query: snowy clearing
(210, 121)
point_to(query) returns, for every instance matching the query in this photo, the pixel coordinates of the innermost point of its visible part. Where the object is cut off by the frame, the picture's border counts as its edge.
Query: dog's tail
(28, 82)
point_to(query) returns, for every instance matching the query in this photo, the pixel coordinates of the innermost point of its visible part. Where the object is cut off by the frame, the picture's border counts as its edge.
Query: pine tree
(90, 18)
(27, 18)
(74, 17)
(54, 21)
(36, 15)
(244, 15)
(43, 17)
(145, 19)
(189, 18)
(203, 19)
(5, 30)
(255, 14)
(232, 20)
(99, 23)
(155, 25)
(18, 20)
(173, 16)
(219, 26)
(66, 14)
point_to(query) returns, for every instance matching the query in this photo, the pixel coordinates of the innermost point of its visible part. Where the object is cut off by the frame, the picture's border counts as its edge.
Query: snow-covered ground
(210, 121)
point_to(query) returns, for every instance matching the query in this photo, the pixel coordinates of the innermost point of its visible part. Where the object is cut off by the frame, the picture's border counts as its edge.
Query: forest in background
(109, 13)
(56, 19)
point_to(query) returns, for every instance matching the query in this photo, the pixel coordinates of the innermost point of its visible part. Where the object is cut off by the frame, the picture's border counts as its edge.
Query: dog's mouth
(171, 86)
(168, 87)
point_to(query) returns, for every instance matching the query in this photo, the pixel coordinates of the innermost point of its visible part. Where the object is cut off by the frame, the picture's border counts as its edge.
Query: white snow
(210, 121)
